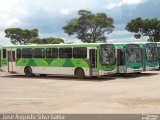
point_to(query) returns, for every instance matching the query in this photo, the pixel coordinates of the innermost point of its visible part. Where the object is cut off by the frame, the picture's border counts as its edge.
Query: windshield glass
(151, 52)
(107, 54)
(134, 53)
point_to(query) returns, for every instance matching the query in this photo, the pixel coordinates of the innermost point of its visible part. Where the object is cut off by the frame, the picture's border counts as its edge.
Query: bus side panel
(52, 66)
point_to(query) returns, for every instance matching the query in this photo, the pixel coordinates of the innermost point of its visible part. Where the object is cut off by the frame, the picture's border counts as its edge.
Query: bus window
(4, 53)
(52, 53)
(39, 53)
(55, 52)
(151, 54)
(27, 53)
(80, 52)
(19, 53)
(48, 53)
(134, 53)
(65, 52)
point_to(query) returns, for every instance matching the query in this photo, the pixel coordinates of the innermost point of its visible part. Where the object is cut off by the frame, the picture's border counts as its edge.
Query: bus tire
(80, 73)
(43, 75)
(28, 72)
(138, 72)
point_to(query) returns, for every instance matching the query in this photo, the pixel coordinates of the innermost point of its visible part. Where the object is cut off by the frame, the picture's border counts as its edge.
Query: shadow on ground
(135, 75)
(56, 77)
(72, 78)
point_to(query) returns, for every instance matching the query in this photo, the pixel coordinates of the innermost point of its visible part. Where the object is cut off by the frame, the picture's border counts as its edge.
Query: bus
(150, 56)
(0, 58)
(158, 49)
(80, 60)
(129, 58)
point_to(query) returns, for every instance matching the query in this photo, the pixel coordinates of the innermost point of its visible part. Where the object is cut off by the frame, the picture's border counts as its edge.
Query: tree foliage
(49, 40)
(145, 27)
(25, 36)
(89, 27)
(20, 36)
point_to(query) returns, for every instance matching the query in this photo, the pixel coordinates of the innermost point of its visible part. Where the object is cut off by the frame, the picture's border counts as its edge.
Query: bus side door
(143, 58)
(93, 62)
(11, 60)
(121, 61)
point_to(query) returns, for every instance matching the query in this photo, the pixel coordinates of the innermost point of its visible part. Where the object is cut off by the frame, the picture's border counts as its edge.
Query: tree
(89, 27)
(49, 40)
(20, 36)
(145, 27)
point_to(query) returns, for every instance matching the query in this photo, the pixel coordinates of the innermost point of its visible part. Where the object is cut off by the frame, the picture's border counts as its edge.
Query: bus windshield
(107, 54)
(134, 53)
(151, 52)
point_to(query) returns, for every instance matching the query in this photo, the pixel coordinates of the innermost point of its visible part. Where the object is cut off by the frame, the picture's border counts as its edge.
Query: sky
(49, 16)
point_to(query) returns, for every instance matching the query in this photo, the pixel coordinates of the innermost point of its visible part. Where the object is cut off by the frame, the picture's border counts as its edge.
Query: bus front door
(120, 61)
(11, 61)
(93, 62)
(143, 59)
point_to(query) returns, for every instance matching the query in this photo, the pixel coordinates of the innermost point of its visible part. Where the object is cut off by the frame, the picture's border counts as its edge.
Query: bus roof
(144, 42)
(56, 45)
(125, 44)
(158, 44)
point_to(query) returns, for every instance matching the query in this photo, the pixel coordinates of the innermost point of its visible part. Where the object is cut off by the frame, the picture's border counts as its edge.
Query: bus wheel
(80, 73)
(43, 75)
(28, 72)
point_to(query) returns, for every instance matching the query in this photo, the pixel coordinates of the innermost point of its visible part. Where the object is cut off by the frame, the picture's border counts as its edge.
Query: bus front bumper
(130, 70)
(148, 68)
(107, 73)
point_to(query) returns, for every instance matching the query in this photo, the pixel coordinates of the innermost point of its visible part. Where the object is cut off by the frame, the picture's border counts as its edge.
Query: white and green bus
(129, 58)
(0, 58)
(80, 60)
(150, 56)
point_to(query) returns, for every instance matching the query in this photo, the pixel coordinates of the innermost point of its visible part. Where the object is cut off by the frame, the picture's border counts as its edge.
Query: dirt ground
(134, 93)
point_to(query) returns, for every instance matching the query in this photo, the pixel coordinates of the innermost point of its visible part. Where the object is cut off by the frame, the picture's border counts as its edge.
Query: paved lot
(121, 94)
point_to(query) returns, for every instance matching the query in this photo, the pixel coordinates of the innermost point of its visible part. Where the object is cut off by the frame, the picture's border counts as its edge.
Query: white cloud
(123, 2)
(14, 12)
(11, 22)
(64, 11)
(112, 5)
(128, 40)
(117, 34)
(49, 16)
(3, 41)
(120, 32)
(11, 11)
(131, 2)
